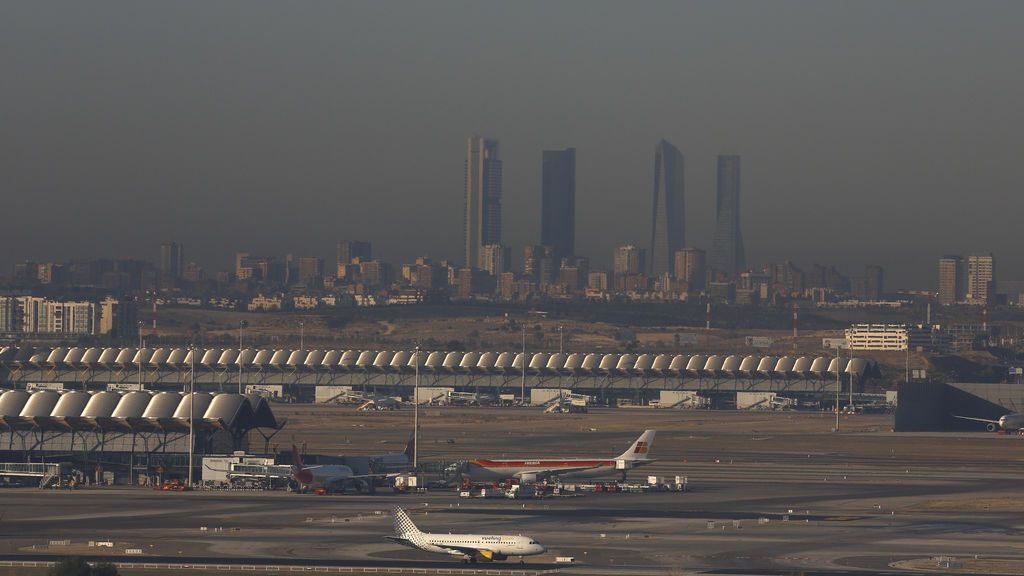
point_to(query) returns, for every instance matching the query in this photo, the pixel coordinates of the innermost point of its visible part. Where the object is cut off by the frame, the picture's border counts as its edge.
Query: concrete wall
(679, 399)
(427, 394)
(755, 400)
(540, 396)
(331, 393)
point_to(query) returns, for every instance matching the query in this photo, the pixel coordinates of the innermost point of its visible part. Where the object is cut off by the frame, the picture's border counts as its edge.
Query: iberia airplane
(535, 470)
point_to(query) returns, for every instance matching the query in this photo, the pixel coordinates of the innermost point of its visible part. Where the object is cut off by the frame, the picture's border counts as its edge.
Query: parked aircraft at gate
(1012, 422)
(570, 468)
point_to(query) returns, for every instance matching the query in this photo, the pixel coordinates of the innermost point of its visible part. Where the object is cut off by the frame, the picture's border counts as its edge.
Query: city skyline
(224, 141)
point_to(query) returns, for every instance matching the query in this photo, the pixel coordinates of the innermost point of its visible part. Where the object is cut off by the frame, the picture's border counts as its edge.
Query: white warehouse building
(886, 337)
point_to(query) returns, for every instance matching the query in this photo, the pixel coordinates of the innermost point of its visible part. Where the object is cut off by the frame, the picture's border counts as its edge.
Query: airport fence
(283, 569)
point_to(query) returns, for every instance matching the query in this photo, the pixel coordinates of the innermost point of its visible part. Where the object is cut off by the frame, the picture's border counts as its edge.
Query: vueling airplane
(471, 547)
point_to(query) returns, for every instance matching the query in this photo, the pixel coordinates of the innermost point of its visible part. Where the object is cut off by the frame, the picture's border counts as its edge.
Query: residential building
(539, 264)
(350, 249)
(495, 259)
(37, 315)
(981, 279)
(263, 303)
(629, 260)
(311, 271)
(727, 251)
(172, 259)
(483, 197)
(668, 214)
(117, 318)
(690, 267)
(952, 280)
(598, 281)
(874, 286)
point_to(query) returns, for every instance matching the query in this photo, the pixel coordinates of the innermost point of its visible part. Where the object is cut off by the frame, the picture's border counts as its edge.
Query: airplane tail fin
(640, 449)
(403, 524)
(410, 447)
(296, 459)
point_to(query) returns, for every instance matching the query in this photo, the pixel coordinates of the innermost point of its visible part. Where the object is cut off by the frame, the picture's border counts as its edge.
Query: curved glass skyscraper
(668, 217)
(727, 254)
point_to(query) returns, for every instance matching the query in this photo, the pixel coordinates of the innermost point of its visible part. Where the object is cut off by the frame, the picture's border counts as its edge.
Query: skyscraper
(952, 280)
(483, 197)
(668, 214)
(171, 260)
(981, 278)
(558, 201)
(727, 253)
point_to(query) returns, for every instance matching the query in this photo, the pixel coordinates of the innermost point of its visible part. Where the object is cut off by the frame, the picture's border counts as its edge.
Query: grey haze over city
(870, 132)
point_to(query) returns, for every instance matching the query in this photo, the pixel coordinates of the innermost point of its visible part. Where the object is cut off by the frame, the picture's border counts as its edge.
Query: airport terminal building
(114, 436)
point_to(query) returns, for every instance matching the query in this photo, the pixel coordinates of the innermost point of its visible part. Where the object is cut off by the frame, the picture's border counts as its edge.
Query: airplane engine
(527, 478)
(991, 427)
(488, 556)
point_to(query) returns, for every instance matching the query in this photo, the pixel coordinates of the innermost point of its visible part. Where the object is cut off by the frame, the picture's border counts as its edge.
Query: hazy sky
(871, 132)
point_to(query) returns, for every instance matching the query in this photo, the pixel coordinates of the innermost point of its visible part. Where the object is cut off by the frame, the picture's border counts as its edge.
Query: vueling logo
(641, 448)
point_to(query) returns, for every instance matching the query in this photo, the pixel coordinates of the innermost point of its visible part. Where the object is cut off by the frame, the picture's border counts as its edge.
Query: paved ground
(862, 499)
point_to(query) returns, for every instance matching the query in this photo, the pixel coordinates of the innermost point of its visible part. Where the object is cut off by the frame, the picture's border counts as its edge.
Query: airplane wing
(402, 541)
(976, 419)
(467, 550)
(546, 473)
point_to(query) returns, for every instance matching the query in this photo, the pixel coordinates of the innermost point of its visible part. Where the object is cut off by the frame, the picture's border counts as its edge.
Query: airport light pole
(140, 354)
(302, 335)
(839, 385)
(191, 412)
(559, 339)
(241, 326)
(522, 385)
(416, 413)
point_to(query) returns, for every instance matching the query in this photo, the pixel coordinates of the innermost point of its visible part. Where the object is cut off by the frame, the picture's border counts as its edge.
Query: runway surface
(788, 500)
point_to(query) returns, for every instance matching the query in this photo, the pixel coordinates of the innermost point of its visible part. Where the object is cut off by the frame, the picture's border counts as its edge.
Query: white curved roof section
(856, 366)
(678, 365)
(469, 361)
(555, 363)
(695, 365)
(731, 364)
(473, 362)
(55, 356)
(608, 362)
(574, 362)
(136, 411)
(227, 358)
(504, 361)
(202, 403)
(91, 356)
(159, 357)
